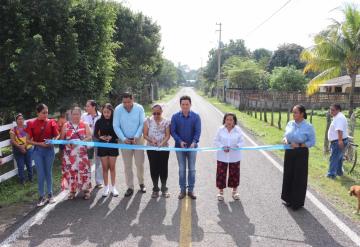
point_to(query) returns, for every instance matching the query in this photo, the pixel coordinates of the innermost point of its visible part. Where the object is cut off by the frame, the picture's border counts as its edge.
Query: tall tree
(139, 57)
(261, 56)
(233, 48)
(168, 75)
(245, 73)
(58, 52)
(286, 55)
(287, 79)
(336, 49)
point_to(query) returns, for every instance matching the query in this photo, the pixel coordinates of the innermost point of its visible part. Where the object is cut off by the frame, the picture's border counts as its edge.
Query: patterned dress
(76, 168)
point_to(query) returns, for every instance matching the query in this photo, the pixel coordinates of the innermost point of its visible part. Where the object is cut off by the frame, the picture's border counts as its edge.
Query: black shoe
(192, 195)
(181, 195)
(129, 192)
(142, 188)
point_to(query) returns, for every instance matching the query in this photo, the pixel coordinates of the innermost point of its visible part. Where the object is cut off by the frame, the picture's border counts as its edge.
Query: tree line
(62, 52)
(259, 69)
(336, 52)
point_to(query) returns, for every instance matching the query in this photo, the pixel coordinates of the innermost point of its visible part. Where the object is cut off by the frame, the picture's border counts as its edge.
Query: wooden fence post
(352, 123)
(272, 113)
(326, 140)
(265, 112)
(279, 121)
(288, 115)
(312, 113)
(256, 104)
(250, 108)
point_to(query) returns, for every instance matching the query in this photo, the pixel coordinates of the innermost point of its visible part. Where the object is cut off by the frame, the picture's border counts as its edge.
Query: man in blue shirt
(128, 123)
(186, 129)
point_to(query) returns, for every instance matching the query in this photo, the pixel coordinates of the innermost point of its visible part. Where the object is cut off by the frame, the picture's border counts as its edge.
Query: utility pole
(219, 52)
(219, 60)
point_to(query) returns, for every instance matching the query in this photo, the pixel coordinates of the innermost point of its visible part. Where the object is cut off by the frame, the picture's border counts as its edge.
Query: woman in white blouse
(228, 136)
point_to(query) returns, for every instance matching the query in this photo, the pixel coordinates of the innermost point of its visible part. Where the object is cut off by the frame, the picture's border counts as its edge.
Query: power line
(267, 19)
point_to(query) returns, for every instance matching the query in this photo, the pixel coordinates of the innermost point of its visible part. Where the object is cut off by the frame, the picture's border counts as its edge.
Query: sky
(188, 27)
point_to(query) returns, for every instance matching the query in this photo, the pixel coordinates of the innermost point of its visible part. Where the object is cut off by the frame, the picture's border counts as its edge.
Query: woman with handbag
(22, 151)
(76, 168)
(38, 132)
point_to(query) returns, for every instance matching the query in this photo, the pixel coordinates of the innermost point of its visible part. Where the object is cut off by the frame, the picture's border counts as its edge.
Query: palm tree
(336, 52)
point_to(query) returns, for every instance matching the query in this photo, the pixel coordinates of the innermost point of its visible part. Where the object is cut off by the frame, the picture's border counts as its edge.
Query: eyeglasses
(156, 113)
(44, 112)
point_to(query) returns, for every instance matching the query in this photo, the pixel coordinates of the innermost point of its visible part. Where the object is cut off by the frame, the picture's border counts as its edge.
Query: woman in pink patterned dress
(76, 168)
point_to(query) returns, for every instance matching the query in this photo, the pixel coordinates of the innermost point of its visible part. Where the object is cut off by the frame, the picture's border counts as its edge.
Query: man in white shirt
(90, 117)
(338, 137)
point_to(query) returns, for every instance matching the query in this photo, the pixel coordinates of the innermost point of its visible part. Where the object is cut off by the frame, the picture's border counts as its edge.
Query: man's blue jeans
(188, 158)
(23, 160)
(44, 159)
(336, 159)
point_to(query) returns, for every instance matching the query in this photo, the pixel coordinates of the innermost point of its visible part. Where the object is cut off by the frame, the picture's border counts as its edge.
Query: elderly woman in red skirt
(228, 136)
(76, 168)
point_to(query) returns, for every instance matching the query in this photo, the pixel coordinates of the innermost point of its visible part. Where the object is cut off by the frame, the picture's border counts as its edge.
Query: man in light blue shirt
(128, 123)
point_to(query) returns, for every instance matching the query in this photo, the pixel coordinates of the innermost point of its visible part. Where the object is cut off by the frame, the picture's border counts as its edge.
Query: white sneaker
(106, 191)
(114, 192)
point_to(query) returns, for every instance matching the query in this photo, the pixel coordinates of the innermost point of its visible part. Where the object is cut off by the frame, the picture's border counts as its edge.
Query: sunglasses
(156, 113)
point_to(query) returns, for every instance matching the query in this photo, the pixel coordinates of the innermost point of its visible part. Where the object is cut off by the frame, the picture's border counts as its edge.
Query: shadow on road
(314, 233)
(197, 234)
(235, 223)
(95, 222)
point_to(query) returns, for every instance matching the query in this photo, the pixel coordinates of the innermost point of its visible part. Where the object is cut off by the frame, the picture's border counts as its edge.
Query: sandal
(71, 196)
(86, 195)
(220, 196)
(235, 195)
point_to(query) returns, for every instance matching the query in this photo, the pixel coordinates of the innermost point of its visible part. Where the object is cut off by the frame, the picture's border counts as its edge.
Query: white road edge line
(39, 216)
(332, 217)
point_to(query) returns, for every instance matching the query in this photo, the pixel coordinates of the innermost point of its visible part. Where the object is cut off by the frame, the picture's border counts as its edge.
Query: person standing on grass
(22, 151)
(228, 136)
(76, 168)
(157, 133)
(301, 136)
(38, 131)
(90, 117)
(338, 137)
(104, 132)
(186, 129)
(128, 125)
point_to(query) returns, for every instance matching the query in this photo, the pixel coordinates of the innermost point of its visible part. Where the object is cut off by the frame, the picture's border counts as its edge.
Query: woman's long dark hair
(94, 104)
(110, 108)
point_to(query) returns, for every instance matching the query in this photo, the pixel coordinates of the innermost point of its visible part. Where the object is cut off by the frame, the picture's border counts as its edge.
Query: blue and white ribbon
(143, 147)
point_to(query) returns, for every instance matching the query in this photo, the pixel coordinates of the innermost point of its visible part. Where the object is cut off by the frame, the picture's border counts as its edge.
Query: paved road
(258, 219)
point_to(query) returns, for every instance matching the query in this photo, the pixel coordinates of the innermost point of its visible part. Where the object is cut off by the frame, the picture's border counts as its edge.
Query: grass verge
(335, 191)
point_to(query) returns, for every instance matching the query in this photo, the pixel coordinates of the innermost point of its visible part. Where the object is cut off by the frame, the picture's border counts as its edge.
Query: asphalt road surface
(258, 219)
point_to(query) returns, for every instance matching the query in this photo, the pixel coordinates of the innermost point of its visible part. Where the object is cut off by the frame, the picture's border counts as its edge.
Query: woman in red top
(38, 131)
